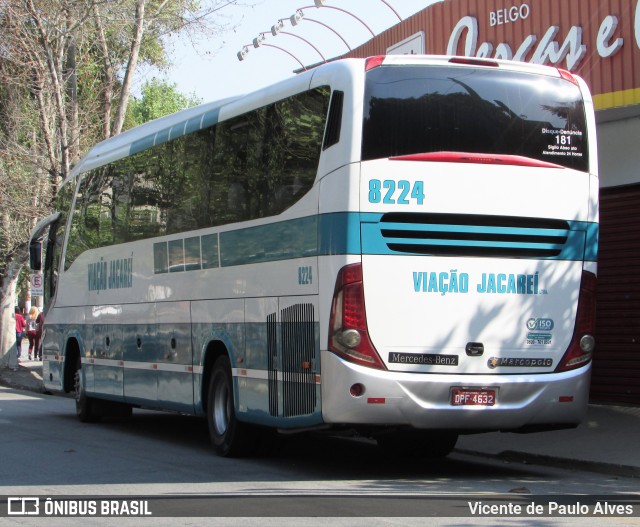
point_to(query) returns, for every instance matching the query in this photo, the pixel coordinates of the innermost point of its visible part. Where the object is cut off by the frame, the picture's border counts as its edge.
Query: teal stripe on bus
(581, 239)
(360, 233)
(339, 232)
(326, 234)
(267, 243)
(592, 231)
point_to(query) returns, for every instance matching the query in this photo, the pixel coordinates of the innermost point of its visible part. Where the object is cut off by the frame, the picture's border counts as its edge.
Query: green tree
(158, 98)
(66, 71)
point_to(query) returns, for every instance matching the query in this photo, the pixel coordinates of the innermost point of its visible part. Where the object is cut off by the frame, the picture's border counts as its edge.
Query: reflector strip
(264, 375)
(132, 365)
(183, 368)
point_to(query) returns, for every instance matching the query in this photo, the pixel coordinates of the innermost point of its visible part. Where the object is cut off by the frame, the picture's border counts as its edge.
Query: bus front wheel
(229, 436)
(85, 405)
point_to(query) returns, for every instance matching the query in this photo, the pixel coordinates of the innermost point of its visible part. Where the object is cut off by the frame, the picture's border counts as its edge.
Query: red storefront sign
(599, 40)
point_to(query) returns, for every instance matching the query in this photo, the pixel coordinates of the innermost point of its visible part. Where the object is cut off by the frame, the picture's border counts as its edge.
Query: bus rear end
(472, 307)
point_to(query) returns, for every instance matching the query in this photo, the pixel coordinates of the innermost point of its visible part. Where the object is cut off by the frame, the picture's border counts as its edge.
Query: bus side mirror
(35, 255)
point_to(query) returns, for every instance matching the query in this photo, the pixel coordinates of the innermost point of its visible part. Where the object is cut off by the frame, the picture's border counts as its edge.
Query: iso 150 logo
(540, 324)
(23, 507)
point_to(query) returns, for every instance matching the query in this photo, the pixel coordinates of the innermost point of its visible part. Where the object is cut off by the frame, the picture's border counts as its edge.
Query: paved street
(164, 455)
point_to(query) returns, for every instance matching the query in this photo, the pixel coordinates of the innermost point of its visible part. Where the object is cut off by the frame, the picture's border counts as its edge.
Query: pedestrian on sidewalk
(21, 325)
(34, 331)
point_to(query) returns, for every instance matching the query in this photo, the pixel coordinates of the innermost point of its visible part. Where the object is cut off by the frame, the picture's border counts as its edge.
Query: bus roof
(178, 124)
(190, 120)
(149, 134)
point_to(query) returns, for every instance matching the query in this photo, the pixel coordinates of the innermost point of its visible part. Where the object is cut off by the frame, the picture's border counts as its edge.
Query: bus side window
(334, 120)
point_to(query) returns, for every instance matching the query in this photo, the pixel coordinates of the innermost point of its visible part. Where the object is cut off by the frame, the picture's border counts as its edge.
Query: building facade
(600, 41)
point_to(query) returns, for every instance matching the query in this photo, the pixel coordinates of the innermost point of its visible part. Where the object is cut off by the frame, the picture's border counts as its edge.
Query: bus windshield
(423, 109)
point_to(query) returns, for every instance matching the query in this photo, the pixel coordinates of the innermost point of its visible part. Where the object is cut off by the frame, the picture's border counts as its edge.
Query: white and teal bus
(402, 246)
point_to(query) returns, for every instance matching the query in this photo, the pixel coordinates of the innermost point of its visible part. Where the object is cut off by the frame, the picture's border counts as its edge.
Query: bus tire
(85, 406)
(426, 445)
(230, 437)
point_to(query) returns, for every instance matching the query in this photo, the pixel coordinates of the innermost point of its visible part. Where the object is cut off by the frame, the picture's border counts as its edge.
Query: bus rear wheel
(229, 437)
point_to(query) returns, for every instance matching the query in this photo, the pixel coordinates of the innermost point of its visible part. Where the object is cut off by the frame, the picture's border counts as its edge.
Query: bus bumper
(423, 401)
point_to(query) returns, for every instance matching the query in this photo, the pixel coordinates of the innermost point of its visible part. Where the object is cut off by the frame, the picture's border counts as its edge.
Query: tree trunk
(53, 69)
(131, 68)
(8, 356)
(109, 78)
(71, 82)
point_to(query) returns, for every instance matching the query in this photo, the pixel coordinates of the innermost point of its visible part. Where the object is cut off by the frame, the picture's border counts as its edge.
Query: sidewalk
(607, 442)
(28, 376)
(21, 372)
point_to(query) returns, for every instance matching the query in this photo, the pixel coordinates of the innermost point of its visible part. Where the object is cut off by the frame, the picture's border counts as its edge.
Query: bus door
(174, 356)
(140, 353)
(106, 352)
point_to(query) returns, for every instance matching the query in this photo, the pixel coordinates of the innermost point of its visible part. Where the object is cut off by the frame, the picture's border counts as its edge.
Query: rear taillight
(568, 76)
(348, 333)
(373, 62)
(582, 344)
(470, 61)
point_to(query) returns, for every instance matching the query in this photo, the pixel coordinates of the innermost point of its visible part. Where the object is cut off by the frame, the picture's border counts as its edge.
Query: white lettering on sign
(547, 51)
(470, 24)
(606, 48)
(637, 24)
(510, 15)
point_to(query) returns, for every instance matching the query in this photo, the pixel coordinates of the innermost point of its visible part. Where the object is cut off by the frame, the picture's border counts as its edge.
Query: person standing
(34, 331)
(21, 325)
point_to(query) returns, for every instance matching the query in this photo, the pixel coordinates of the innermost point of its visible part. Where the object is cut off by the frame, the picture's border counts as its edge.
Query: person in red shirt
(21, 324)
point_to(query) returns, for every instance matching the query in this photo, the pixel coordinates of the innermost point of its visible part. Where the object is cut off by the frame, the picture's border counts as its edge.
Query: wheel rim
(221, 408)
(77, 385)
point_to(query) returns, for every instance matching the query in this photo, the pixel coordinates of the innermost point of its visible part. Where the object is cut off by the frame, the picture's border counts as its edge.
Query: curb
(23, 386)
(526, 458)
(12, 378)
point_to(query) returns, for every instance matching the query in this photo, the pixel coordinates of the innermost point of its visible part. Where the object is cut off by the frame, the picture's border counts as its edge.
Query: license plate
(465, 397)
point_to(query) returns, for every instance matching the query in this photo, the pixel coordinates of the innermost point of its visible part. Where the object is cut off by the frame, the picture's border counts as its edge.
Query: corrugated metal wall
(616, 365)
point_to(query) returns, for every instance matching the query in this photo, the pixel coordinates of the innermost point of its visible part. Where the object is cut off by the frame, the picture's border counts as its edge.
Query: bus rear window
(422, 109)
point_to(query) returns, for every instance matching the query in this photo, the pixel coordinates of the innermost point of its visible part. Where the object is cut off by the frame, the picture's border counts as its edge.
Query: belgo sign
(600, 41)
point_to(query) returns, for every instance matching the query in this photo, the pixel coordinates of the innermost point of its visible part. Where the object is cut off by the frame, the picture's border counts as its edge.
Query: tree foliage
(67, 69)
(158, 98)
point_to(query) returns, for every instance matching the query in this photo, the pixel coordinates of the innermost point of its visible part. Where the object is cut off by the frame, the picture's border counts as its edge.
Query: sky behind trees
(211, 68)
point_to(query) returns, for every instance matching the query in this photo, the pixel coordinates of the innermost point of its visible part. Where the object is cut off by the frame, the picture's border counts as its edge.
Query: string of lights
(295, 20)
